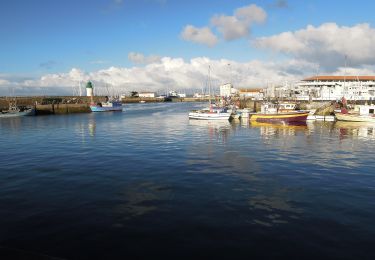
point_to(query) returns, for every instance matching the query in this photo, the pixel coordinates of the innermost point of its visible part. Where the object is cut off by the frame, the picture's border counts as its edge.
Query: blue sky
(43, 37)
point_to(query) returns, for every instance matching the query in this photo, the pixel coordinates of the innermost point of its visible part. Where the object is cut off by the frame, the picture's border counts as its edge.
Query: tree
(134, 94)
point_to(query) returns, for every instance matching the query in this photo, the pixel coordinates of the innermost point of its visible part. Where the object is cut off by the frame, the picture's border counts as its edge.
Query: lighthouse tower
(89, 89)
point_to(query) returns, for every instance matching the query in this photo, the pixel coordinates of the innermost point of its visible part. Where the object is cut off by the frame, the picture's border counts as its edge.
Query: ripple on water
(151, 178)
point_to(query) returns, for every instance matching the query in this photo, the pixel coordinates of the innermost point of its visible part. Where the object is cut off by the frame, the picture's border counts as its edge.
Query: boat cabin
(272, 108)
(365, 110)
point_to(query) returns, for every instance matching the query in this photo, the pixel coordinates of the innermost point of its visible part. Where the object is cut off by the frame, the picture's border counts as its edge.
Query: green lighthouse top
(89, 84)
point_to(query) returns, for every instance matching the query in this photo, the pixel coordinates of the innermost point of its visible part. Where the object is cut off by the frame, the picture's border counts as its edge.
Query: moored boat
(285, 117)
(212, 112)
(271, 113)
(16, 111)
(361, 113)
(106, 106)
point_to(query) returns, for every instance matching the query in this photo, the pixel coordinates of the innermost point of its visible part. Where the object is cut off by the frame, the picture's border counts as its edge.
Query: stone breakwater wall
(51, 104)
(62, 109)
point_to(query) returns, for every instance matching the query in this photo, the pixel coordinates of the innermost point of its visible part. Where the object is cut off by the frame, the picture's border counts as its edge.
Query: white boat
(210, 113)
(361, 113)
(106, 106)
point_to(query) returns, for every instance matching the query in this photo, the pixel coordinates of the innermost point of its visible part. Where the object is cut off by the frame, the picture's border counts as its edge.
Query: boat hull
(354, 118)
(209, 115)
(105, 109)
(281, 117)
(30, 112)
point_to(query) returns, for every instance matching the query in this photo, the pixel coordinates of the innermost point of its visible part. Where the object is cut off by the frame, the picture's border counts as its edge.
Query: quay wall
(52, 104)
(80, 104)
(156, 100)
(62, 109)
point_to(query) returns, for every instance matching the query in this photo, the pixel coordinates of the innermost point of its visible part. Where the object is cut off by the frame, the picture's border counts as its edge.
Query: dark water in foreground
(149, 183)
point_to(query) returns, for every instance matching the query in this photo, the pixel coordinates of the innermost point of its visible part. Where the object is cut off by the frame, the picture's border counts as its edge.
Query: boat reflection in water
(347, 129)
(217, 128)
(281, 128)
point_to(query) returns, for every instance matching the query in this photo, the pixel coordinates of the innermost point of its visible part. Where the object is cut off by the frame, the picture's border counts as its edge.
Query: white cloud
(251, 14)
(4, 82)
(199, 35)
(176, 73)
(231, 27)
(326, 45)
(139, 58)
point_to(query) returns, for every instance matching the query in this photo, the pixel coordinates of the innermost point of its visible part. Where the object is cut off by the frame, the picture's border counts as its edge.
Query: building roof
(337, 78)
(251, 90)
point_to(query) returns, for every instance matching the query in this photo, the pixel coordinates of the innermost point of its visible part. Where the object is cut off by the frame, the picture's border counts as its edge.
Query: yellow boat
(274, 113)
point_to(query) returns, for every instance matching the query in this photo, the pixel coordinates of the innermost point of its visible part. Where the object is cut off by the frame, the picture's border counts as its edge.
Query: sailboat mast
(343, 91)
(209, 84)
(209, 87)
(80, 90)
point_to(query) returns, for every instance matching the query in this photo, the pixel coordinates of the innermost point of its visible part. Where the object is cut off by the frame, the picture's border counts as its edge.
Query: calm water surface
(148, 182)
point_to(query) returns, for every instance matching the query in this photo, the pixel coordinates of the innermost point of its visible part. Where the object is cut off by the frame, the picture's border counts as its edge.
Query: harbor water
(149, 182)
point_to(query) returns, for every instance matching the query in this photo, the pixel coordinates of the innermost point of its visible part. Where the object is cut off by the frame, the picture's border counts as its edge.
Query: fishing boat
(17, 111)
(108, 105)
(14, 111)
(360, 113)
(212, 112)
(271, 112)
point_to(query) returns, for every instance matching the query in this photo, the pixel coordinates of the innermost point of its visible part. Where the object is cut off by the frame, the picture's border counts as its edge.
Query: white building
(174, 93)
(285, 91)
(146, 94)
(255, 93)
(227, 90)
(336, 87)
(326, 88)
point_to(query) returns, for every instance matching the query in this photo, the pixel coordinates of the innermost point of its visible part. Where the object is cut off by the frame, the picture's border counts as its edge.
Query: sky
(51, 47)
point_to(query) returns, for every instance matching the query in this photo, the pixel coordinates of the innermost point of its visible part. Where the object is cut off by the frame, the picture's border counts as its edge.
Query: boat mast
(80, 90)
(343, 90)
(209, 87)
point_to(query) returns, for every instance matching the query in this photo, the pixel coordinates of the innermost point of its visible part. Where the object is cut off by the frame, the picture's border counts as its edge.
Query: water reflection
(12, 124)
(363, 130)
(273, 210)
(219, 129)
(141, 199)
(92, 127)
(273, 129)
